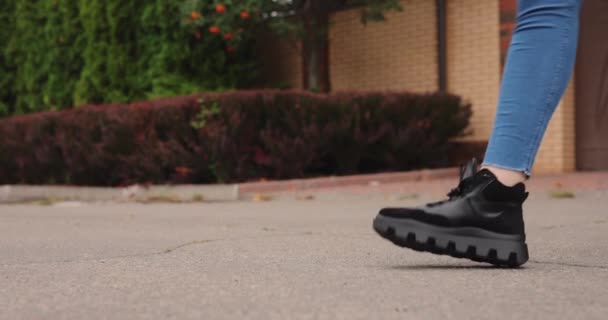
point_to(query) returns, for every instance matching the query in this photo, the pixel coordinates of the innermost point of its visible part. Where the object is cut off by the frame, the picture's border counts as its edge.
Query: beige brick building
(403, 54)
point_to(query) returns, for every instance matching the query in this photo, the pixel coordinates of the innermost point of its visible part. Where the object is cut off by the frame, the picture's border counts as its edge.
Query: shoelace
(463, 187)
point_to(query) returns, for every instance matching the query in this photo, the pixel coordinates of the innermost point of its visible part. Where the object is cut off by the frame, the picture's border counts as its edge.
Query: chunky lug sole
(470, 243)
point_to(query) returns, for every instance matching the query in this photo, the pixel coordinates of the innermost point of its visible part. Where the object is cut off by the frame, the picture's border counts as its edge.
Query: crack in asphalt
(127, 256)
(303, 233)
(187, 244)
(155, 253)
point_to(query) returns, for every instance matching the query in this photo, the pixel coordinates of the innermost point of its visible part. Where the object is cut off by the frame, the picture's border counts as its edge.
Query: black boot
(481, 221)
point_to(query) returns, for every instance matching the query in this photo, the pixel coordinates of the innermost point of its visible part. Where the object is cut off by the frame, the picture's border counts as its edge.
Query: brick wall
(557, 152)
(474, 59)
(400, 53)
(508, 13)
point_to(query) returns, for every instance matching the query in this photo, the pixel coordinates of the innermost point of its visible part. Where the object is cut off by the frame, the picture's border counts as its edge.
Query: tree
(94, 79)
(26, 52)
(62, 48)
(55, 54)
(306, 21)
(7, 68)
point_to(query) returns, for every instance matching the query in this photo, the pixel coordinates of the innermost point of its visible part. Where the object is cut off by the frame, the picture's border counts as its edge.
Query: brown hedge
(230, 137)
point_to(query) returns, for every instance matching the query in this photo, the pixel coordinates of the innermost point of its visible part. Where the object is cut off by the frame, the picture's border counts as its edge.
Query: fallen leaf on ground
(561, 194)
(261, 198)
(305, 197)
(408, 196)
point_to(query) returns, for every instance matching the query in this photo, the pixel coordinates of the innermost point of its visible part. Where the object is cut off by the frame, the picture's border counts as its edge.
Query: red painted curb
(332, 182)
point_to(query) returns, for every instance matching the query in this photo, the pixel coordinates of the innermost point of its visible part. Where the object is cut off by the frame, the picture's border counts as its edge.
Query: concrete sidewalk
(288, 259)
(434, 182)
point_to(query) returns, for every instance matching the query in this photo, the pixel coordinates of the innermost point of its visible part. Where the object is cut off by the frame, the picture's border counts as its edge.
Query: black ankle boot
(481, 221)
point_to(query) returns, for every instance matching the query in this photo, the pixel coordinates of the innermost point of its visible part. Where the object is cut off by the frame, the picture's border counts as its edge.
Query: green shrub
(55, 54)
(62, 60)
(26, 51)
(7, 97)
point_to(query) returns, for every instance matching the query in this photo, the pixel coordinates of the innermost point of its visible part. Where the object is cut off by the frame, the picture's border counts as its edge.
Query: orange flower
(245, 15)
(214, 29)
(228, 36)
(220, 8)
(195, 15)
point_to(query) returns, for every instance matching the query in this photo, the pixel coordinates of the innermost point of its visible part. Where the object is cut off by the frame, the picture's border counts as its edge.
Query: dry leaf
(305, 197)
(261, 198)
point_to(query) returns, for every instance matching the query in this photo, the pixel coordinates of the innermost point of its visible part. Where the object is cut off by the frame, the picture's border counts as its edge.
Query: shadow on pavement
(448, 267)
(489, 267)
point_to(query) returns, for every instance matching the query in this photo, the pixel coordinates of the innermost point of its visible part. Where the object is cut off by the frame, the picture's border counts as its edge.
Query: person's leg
(539, 64)
(483, 218)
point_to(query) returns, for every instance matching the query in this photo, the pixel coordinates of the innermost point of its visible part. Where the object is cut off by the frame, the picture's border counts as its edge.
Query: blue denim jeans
(539, 64)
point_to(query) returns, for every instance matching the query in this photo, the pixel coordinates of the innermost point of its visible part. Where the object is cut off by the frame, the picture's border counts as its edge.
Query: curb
(356, 180)
(137, 193)
(212, 193)
(574, 181)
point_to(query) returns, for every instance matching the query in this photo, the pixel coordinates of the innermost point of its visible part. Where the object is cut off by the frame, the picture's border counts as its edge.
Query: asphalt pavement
(304, 257)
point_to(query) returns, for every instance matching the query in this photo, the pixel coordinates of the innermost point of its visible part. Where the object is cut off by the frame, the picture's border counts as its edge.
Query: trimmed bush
(231, 137)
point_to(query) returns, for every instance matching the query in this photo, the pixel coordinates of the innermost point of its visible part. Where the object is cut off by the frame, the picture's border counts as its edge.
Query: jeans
(539, 64)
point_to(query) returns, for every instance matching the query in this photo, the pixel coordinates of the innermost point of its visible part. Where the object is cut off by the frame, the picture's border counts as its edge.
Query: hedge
(230, 137)
(55, 54)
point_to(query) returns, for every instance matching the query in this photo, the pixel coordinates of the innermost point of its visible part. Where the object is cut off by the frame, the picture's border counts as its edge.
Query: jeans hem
(525, 171)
